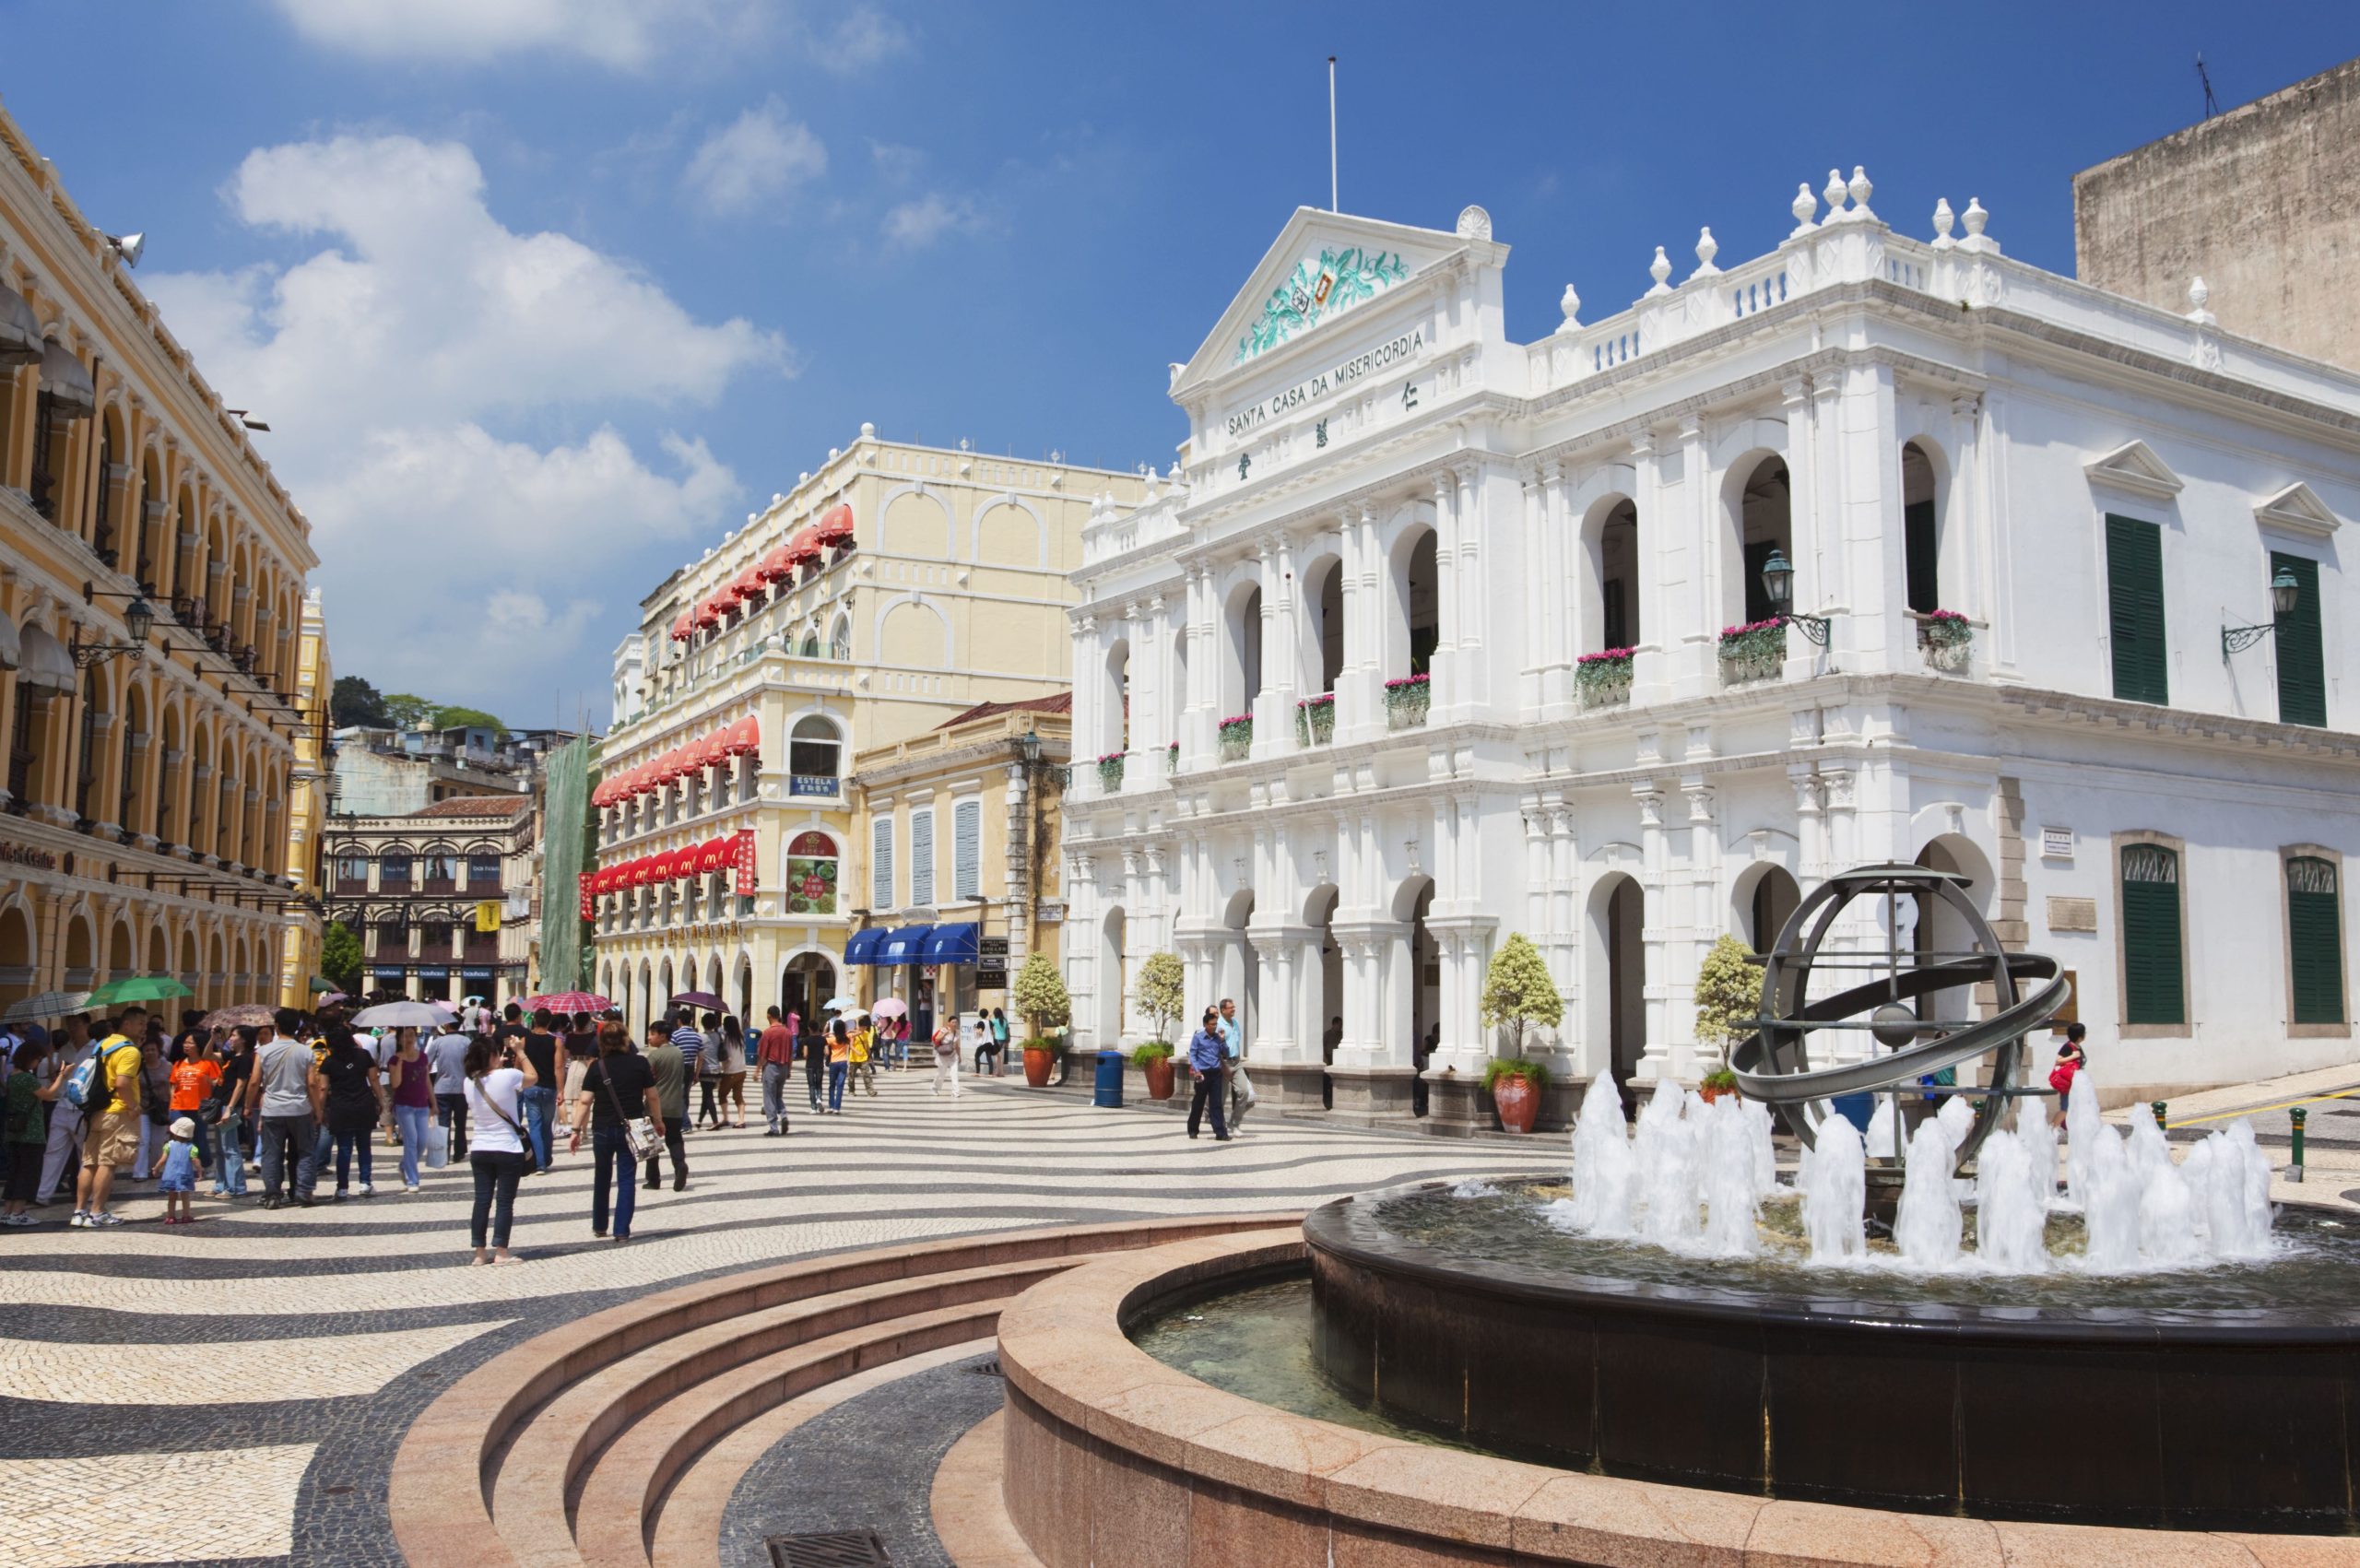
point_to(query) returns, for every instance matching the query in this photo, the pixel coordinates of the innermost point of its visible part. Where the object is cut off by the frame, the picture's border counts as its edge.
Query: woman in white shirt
(497, 1076)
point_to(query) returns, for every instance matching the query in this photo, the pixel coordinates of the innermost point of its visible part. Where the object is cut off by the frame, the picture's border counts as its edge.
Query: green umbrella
(321, 982)
(138, 988)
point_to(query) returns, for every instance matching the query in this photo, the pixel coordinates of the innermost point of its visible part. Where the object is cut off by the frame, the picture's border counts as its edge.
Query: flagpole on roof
(1334, 205)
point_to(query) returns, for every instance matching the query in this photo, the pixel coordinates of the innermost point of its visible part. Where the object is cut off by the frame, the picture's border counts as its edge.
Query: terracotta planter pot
(1713, 1092)
(1518, 1104)
(1038, 1063)
(1160, 1076)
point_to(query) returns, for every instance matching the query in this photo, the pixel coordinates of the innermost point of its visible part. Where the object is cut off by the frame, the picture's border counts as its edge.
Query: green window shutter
(2302, 663)
(1922, 548)
(2315, 940)
(2134, 580)
(2150, 936)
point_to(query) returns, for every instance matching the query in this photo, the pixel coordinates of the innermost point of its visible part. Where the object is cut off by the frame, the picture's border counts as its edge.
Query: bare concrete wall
(2263, 203)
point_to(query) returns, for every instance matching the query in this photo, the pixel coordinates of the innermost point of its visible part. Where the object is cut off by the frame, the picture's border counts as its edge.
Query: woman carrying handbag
(617, 1082)
(498, 1075)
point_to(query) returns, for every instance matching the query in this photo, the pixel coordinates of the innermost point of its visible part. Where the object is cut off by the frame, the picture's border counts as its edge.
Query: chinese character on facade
(1320, 432)
(1409, 394)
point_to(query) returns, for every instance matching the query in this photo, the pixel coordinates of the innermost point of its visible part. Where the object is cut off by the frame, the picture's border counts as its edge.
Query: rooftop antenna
(2212, 105)
(1334, 204)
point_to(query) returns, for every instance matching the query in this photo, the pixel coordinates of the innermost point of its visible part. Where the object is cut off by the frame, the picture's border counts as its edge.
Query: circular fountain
(1923, 1323)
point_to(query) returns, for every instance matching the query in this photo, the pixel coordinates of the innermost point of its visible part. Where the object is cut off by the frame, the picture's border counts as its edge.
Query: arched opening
(805, 986)
(17, 975)
(1419, 992)
(1113, 979)
(1319, 914)
(1242, 666)
(1763, 899)
(46, 681)
(1322, 622)
(79, 955)
(214, 992)
(122, 953)
(1616, 996)
(644, 999)
(190, 974)
(85, 748)
(1761, 522)
(840, 638)
(171, 821)
(107, 493)
(1936, 929)
(153, 521)
(1610, 543)
(1416, 619)
(665, 988)
(1922, 529)
(133, 807)
(1115, 700)
(160, 953)
(1240, 979)
(813, 749)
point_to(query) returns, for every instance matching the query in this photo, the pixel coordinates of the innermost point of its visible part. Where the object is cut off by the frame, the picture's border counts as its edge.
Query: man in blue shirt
(1241, 1097)
(692, 1043)
(1208, 1061)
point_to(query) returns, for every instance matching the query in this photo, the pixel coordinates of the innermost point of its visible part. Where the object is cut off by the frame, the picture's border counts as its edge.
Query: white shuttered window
(966, 849)
(922, 858)
(880, 863)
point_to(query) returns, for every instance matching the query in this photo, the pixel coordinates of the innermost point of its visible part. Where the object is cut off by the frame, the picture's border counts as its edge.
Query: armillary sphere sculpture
(1777, 1065)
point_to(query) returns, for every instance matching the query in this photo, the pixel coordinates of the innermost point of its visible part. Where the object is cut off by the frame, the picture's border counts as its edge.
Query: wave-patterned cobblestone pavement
(259, 1369)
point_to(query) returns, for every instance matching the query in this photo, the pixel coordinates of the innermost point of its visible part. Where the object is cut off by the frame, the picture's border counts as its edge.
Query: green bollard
(2159, 1107)
(2296, 1116)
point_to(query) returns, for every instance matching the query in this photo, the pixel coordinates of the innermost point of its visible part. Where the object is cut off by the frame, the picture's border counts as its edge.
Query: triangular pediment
(1323, 268)
(2298, 508)
(2134, 467)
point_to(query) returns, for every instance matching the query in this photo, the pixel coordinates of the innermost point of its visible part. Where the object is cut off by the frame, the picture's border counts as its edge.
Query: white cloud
(623, 34)
(387, 361)
(913, 225)
(896, 164)
(863, 38)
(754, 161)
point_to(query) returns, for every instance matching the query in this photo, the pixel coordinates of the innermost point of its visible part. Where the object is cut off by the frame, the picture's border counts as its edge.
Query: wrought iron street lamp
(138, 620)
(2285, 593)
(1778, 583)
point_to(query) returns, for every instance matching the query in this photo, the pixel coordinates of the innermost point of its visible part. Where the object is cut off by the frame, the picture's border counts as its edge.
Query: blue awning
(902, 944)
(954, 943)
(863, 947)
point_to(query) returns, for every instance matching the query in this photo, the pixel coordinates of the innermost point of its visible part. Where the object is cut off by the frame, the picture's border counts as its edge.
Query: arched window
(840, 638)
(2154, 967)
(812, 642)
(393, 871)
(2314, 939)
(811, 875)
(1921, 534)
(812, 749)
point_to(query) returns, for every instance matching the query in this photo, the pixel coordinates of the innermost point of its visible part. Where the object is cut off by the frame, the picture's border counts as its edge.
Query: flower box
(1603, 679)
(1236, 738)
(1756, 651)
(1948, 639)
(1315, 720)
(1110, 773)
(1406, 701)
(1171, 759)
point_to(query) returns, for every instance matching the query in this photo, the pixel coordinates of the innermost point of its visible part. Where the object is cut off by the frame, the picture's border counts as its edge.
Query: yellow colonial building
(895, 588)
(151, 584)
(959, 822)
(308, 807)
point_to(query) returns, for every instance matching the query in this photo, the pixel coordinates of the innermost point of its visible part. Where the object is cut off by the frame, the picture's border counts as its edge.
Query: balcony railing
(351, 885)
(1315, 720)
(440, 885)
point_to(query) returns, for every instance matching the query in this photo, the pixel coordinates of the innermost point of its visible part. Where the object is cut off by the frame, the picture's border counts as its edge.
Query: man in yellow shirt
(864, 1071)
(110, 1121)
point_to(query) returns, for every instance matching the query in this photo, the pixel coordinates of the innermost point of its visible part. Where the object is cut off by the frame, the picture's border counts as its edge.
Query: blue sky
(543, 296)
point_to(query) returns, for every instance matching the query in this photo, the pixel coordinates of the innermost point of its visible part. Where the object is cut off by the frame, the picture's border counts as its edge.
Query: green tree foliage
(406, 710)
(1162, 991)
(1729, 995)
(1039, 994)
(354, 702)
(1517, 990)
(340, 955)
(452, 716)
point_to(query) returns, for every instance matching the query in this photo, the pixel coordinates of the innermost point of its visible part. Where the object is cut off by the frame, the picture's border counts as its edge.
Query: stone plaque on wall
(2072, 915)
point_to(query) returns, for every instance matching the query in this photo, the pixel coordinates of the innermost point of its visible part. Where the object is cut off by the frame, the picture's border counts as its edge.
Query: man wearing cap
(110, 1121)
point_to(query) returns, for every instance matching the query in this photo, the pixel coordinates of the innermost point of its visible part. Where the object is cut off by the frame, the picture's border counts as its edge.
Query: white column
(1654, 554)
(1654, 1060)
(1446, 687)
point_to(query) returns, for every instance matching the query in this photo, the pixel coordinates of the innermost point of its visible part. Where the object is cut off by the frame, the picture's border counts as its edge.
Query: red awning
(684, 861)
(836, 525)
(712, 751)
(684, 626)
(748, 583)
(776, 565)
(714, 853)
(744, 736)
(804, 546)
(708, 613)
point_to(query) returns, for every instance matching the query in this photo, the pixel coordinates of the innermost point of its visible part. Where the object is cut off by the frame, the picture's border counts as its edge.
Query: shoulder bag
(639, 1132)
(483, 1090)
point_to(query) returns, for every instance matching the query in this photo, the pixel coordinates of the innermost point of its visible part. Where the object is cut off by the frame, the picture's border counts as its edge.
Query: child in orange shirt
(193, 1079)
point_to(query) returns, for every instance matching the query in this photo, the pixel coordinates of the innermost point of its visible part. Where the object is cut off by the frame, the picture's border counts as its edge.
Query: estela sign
(1401, 350)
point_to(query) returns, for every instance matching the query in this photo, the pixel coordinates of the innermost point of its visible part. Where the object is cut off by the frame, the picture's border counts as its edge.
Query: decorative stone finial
(1975, 218)
(1943, 219)
(1707, 249)
(1834, 195)
(1474, 223)
(1571, 303)
(1805, 207)
(803, 478)
(868, 430)
(1861, 189)
(2199, 297)
(1660, 269)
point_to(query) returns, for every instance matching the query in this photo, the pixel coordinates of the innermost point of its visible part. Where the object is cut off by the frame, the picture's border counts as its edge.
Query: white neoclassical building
(1434, 636)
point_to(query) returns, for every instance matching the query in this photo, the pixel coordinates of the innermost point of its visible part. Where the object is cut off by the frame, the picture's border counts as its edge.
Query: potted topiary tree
(1728, 998)
(1519, 991)
(1039, 996)
(1161, 989)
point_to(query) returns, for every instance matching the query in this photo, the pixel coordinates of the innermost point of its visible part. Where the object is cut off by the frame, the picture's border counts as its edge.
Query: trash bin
(1109, 1091)
(1855, 1108)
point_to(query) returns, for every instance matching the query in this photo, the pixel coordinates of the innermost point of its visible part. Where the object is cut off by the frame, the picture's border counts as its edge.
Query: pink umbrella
(892, 1007)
